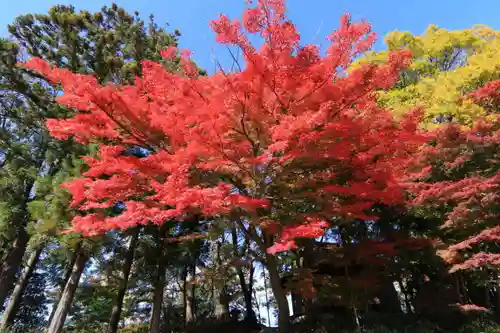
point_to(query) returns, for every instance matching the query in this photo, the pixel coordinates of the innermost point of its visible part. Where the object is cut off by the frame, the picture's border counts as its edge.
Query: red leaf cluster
(219, 143)
(461, 172)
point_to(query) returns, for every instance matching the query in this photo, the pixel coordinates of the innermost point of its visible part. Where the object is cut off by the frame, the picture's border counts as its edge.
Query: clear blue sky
(313, 17)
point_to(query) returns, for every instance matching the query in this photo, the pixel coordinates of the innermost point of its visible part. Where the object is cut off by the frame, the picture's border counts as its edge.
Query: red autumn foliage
(461, 172)
(291, 128)
(488, 96)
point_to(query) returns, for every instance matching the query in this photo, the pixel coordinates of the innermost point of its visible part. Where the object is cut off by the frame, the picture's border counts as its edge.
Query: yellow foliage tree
(446, 65)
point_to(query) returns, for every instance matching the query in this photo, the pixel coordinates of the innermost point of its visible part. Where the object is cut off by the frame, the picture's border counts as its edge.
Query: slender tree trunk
(465, 290)
(114, 320)
(497, 307)
(10, 311)
(406, 295)
(487, 298)
(11, 265)
(279, 294)
(457, 288)
(352, 302)
(64, 305)
(297, 299)
(65, 280)
(246, 289)
(189, 292)
(221, 302)
(247, 294)
(389, 297)
(159, 286)
(297, 304)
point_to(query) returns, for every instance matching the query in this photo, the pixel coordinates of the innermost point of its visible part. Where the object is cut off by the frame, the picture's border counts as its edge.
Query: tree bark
(159, 286)
(221, 303)
(497, 307)
(389, 298)
(63, 285)
(64, 305)
(11, 265)
(114, 320)
(279, 294)
(10, 311)
(246, 289)
(189, 293)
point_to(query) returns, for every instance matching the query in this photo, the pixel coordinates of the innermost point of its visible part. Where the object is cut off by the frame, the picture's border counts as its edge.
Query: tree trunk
(10, 311)
(64, 305)
(497, 308)
(389, 298)
(11, 265)
(297, 304)
(245, 289)
(298, 307)
(221, 303)
(189, 293)
(457, 288)
(279, 294)
(159, 286)
(247, 294)
(63, 285)
(114, 320)
(465, 290)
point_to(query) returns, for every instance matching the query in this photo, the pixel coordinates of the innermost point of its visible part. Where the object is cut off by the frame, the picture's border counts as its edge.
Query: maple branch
(251, 233)
(235, 61)
(243, 105)
(321, 85)
(124, 128)
(255, 146)
(273, 88)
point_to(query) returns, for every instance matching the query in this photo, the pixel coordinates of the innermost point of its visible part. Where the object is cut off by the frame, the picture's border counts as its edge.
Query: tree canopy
(309, 190)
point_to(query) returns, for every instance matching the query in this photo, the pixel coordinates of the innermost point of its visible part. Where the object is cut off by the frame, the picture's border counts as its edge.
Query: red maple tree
(290, 142)
(459, 176)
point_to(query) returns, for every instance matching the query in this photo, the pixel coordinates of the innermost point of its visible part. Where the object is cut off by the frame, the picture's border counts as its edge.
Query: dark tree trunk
(245, 288)
(297, 304)
(12, 263)
(64, 305)
(497, 294)
(389, 298)
(114, 320)
(159, 286)
(10, 311)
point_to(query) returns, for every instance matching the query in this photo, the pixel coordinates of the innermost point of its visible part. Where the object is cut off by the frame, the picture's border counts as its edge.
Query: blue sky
(314, 18)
